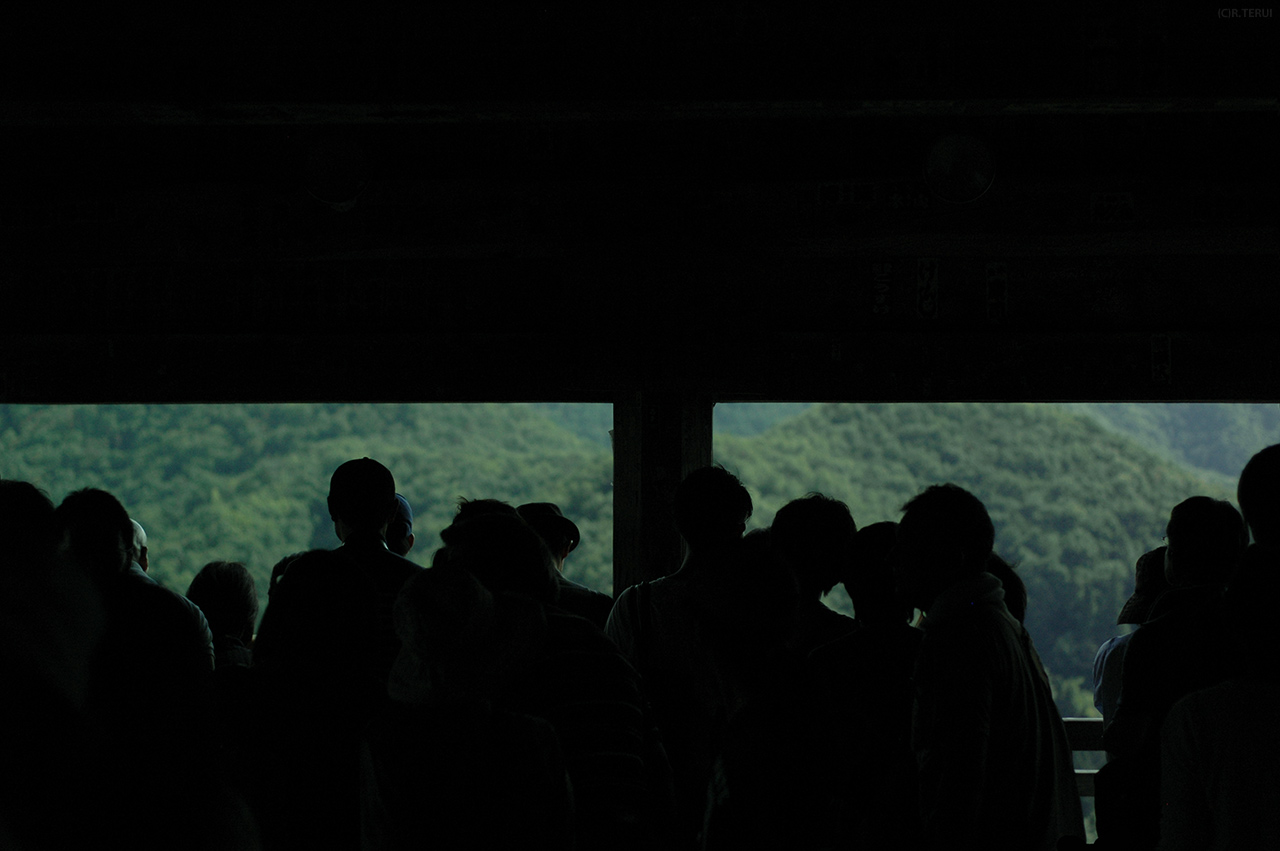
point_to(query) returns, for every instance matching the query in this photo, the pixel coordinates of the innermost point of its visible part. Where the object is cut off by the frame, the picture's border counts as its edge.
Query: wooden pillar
(658, 439)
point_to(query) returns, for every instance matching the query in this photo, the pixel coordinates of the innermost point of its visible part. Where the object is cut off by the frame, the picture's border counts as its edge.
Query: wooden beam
(658, 438)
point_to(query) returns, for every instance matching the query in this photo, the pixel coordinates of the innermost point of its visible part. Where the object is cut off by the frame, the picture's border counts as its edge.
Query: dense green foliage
(1074, 503)
(1214, 438)
(1076, 493)
(248, 482)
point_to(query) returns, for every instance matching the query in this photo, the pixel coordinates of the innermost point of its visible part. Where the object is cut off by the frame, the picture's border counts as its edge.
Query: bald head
(139, 550)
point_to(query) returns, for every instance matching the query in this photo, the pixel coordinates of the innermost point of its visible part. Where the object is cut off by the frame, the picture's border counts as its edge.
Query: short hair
(362, 494)
(869, 578)
(1258, 493)
(958, 518)
(710, 503)
(226, 593)
(1206, 539)
(96, 530)
(469, 509)
(814, 535)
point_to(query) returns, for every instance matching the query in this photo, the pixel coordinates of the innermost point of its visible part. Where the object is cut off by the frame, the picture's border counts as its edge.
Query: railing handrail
(1084, 734)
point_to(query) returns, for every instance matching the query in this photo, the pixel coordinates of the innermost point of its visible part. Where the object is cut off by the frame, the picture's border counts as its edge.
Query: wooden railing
(1085, 734)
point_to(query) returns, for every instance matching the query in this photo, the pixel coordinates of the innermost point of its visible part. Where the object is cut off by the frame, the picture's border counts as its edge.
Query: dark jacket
(995, 764)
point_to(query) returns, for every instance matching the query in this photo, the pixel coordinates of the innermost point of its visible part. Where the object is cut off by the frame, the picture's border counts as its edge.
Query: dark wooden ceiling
(571, 202)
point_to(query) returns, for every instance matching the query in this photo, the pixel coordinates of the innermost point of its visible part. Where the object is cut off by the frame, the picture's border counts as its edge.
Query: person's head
(945, 536)
(469, 509)
(138, 550)
(51, 619)
(1258, 493)
(1206, 537)
(362, 497)
(1015, 590)
(869, 577)
(711, 508)
(559, 532)
(93, 531)
(813, 536)
(26, 521)
(503, 552)
(399, 535)
(226, 593)
(1149, 583)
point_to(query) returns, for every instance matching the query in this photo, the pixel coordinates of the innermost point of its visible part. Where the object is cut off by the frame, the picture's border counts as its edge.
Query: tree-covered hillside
(248, 482)
(1074, 503)
(1212, 437)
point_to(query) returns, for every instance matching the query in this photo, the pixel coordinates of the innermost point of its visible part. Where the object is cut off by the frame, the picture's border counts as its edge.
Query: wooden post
(658, 439)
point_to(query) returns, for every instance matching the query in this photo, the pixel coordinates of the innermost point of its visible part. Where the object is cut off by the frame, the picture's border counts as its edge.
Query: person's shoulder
(1112, 644)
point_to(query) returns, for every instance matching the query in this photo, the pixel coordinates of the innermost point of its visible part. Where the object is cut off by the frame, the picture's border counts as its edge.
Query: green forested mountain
(1075, 502)
(1214, 438)
(248, 482)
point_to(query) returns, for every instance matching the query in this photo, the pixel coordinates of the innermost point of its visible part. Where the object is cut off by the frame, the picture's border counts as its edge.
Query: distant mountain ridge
(1077, 492)
(1074, 503)
(1213, 438)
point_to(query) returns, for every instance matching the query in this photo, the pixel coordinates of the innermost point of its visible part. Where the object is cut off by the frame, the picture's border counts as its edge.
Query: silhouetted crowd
(486, 701)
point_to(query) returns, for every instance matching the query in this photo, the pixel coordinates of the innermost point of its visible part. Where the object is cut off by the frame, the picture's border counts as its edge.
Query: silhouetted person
(994, 761)
(774, 727)
(151, 682)
(1108, 663)
(320, 662)
(812, 537)
(226, 593)
(52, 775)
(660, 626)
(1186, 644)
(1220, 746)
(867, 679)
(562, 668)
(562, 536)
(139, 570)
(446, 765)
(335, 606)
(399, 535)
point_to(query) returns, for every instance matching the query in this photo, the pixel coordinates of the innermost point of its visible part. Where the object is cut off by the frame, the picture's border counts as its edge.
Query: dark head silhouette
(93, 531)
(226, 593)
(560, 533)
(1258, 493)
(500, 550)
(362, 497)
(945, 535)
(813, 536)
(711, 508)
(1206, 539)
(869, 578)
(1149, 584)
